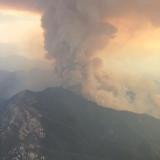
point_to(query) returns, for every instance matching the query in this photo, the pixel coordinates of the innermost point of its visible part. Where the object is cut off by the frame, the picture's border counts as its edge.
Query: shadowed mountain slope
(58, 124)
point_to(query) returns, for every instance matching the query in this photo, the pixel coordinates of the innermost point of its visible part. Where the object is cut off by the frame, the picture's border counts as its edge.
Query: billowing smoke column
(74, 30)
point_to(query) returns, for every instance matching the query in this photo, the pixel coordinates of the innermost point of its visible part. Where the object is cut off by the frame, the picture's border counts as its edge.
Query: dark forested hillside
(58, 124)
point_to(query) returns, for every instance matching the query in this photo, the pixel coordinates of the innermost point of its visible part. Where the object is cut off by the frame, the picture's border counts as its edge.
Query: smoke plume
(76, 34)
(76, 30)
(73, 33)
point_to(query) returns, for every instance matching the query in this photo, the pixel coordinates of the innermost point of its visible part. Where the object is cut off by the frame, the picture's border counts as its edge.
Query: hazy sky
(21, 35)
(19, 30)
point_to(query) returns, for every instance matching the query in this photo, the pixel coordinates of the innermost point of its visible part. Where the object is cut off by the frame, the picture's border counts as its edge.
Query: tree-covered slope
(58, 124)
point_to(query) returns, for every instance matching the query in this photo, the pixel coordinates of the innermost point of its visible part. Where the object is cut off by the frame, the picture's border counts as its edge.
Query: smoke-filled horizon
(107, 50)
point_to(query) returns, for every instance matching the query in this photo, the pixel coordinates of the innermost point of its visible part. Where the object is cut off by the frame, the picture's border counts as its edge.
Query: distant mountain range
(56, 124)
(14, 82)
(19, 63)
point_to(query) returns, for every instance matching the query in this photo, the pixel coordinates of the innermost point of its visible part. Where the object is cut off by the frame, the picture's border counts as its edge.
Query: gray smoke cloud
(75, 30)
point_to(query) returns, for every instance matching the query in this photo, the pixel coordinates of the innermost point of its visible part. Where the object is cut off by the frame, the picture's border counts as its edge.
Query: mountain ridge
(59, 124)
